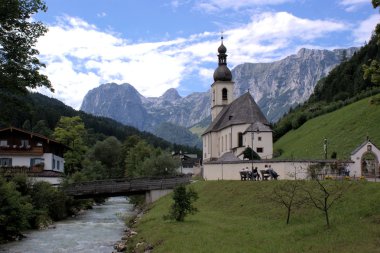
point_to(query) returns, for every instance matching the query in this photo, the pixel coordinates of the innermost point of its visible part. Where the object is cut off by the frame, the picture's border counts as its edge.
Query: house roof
(362, 145)
(228, 157)
(15, 129)
(242, 110)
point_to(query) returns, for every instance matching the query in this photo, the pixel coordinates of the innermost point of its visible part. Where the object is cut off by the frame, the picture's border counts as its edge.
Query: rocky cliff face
(279, 85)
(120, 102)
(126, 105)
(276, 87)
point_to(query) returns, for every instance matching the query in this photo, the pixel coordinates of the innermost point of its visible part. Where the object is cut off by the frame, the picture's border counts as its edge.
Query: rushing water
(95, 231)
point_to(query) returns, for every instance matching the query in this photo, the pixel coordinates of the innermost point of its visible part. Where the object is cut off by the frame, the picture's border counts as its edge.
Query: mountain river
(94, 231)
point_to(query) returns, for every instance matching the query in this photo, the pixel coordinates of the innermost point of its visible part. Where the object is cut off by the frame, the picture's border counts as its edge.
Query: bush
(183, 203)
(277, 152)
(15, 211)
(250, 154)
(50, 200)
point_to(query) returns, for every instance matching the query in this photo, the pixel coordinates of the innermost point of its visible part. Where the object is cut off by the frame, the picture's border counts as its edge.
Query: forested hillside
(177, 134)
(40, 113)
(344, 85)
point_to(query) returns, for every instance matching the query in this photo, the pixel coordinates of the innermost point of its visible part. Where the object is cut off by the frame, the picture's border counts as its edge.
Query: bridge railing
(115, 186)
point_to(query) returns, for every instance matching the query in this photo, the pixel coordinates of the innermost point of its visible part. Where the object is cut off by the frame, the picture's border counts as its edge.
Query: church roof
(258, 127)
(242, 110)
(228, 157)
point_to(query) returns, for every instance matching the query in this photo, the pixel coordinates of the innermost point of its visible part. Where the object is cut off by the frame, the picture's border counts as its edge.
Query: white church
(236, 124)
(239, 123)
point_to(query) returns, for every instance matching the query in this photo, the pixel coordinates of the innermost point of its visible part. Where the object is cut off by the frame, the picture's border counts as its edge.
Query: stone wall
(286, 169)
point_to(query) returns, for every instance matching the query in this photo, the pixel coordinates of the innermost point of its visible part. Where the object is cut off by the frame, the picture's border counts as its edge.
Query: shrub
(15, 211)
(183, 203)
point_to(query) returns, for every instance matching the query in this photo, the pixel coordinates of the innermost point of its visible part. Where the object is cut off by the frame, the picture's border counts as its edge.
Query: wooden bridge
(153, 188)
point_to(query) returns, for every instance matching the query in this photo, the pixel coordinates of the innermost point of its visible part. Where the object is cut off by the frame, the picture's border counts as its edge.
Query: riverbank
(93, 231)
(237, 216)
(124, 245)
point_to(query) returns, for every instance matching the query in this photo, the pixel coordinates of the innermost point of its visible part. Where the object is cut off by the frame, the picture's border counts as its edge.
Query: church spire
(222, 53)
(222, 73)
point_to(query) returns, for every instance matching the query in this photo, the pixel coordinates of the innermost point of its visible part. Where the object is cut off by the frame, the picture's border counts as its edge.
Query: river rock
(120, 246)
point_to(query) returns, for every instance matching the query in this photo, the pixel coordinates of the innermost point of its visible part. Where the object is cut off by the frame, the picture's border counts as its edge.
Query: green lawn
(345, 129)
(236, 216)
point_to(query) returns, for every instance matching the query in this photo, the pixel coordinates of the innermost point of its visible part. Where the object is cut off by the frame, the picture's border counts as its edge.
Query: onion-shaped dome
(222, 73)
(222, 49)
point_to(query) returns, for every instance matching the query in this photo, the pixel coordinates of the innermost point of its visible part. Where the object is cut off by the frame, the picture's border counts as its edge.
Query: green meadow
(238, 216)
(345, 129)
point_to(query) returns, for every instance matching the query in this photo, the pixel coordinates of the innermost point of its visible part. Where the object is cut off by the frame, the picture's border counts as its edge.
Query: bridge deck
(120, 187)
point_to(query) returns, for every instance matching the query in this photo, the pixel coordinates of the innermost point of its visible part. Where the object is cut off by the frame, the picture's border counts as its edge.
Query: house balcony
(21, 150)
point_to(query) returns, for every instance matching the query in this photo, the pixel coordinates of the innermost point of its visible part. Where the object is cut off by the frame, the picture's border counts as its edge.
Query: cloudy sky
(156, 44)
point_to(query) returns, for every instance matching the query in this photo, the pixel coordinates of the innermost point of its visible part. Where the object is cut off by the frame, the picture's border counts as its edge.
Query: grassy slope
(234, 217)
(345, 129)
(197, 130)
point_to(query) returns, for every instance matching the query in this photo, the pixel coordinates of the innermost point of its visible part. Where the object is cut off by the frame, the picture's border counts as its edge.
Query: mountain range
(276, 87)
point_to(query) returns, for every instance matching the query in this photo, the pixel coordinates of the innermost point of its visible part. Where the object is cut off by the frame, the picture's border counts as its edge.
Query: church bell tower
(222, 88)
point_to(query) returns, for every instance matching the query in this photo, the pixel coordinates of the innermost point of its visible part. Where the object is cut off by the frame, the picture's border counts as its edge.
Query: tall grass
(237, 216)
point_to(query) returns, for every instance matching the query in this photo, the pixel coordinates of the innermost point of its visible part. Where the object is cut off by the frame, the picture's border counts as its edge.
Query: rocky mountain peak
(171, 95)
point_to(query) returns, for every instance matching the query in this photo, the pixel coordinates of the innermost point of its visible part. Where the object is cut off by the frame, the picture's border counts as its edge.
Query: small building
(190, 163)
(22, 151)
(365, 160)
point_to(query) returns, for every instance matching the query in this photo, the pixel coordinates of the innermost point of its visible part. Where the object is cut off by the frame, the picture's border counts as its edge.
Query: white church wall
(266, 143)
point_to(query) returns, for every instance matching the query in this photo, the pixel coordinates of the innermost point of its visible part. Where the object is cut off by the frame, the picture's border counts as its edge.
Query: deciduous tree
(372, 71)
(324, 194)
(289, 194)
(108, 154)
(160, 164)
(71, 132)
(19, 66)
(135, 157)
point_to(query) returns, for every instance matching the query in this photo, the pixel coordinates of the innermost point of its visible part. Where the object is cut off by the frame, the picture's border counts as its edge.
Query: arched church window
(240, 139)
(224, 94)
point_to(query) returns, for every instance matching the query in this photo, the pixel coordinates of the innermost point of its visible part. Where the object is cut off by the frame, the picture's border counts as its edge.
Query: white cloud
(363, 32)
(270, 32)
(80, 57)
(101, 15)
(353, 5)
(218, 5)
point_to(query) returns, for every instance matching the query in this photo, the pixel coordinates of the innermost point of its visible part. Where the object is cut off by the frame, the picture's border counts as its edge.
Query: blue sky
(156, 45)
